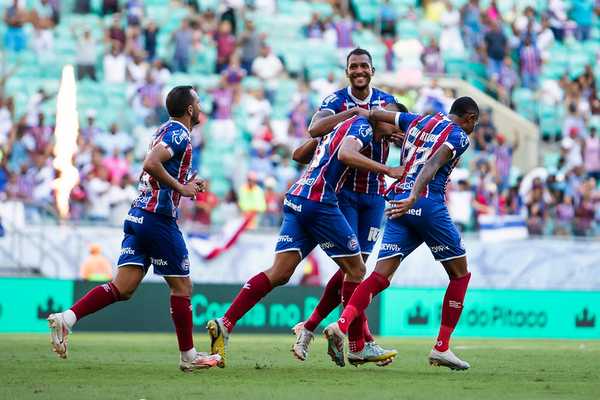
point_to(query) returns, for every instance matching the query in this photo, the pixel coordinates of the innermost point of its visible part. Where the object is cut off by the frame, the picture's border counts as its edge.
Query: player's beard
(195, 119)
(361, 86)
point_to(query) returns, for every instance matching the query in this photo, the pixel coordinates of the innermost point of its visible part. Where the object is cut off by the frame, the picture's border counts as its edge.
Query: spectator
(87, 54)
(110, 7)
(137, 69)
(15, 18)
(260, 162)
(117, 166)
(98, 188)
(223, 99)
(115, 32)
(459, 204)
(183, 42)
(225, 46)
(451, 41)
(44, 18)
(120, 196)
(150, 40)
(115, 65)
(591, 154)
(273, 200)
(267, 67)
(471, 22)
(204, 205)
(387, 18)
(314, 29)
(496, 49)
(249, 43)
(41, 135)
(147, 101)
(257, 109)
(573, 122)
(90, 131)
(565, 214)
(530, 64)
(252, 198)
(507, 81)
(344, 27)
(134, 12)
(96, 267)
(571, 149)
(545, 38)
(485, 132)
(558, 18)
(114, 140)
(503, 154)
(432, 59)
(82, 7)
(537, 209)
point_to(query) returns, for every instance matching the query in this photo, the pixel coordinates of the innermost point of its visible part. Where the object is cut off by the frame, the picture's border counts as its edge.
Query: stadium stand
(262, 68)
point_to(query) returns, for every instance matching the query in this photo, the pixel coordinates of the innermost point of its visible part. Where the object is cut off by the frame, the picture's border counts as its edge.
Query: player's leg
(121, 288)
(332, 295)
(445, 244)
(181, 314)
(293, 244)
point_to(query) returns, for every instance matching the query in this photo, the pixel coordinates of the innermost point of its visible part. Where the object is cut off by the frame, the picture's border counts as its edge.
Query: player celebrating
(152, 236)
(431, 149)
(364, 213)
(360, 199)
(310, 217)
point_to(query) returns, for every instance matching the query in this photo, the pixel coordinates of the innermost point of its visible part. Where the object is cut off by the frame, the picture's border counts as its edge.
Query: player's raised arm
(439, 158)
(304, 153)
(153, 164)
(324, 121)
(350, 155)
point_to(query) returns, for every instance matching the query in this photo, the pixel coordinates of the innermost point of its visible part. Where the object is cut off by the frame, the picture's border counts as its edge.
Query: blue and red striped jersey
(326, 174)
(158, 198)
(360, 181)
(424, 135)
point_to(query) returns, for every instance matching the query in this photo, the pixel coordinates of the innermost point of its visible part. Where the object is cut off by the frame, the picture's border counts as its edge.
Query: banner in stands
(494, 313)
(25, 303)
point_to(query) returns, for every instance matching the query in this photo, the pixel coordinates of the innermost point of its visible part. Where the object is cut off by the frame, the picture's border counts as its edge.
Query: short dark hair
(464, 106)
(178, 100)
(399, 107)
(359, 52)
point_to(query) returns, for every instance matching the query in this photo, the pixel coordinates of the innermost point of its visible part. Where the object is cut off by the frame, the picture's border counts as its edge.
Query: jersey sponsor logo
(454, 304)
(293, 206)
(365, 130)
(285, 239)
(391, 247)
(464, 139)
(306, 181)
(406, 185)
(415, 211)
(127, 250)
(439, 248)
(134, 219)
(158, 262)
(352, 243)
(373, 234)
(327, 245)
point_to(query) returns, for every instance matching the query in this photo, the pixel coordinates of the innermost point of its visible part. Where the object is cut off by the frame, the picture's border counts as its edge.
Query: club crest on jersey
(179, 136)
(365, 130)
(353, 243)
(464, 139)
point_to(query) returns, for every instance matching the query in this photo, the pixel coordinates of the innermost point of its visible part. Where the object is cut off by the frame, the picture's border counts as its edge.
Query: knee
(277, 277)
(126, 294)
(357, 273)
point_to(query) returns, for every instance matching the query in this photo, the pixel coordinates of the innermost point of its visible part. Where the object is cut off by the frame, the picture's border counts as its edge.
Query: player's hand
(400, 207)
(200, 185)
(189, 189)
(395, 172)
(397, 138)
(361, 112)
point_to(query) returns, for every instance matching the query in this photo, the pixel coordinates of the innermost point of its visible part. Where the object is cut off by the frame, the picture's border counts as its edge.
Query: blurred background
(526, 195)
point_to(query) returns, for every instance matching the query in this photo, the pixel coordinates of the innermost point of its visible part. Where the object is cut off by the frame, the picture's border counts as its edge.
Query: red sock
(96, 299)
(370, 287)
(332, 297)
(451, 310)
(254, 290)
(367, 333)
(355, 330)
(181, 314)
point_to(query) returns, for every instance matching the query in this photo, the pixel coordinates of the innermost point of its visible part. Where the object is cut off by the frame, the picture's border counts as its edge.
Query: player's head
(466, 113)
(183, 102)
(359, 68)
(384, 128)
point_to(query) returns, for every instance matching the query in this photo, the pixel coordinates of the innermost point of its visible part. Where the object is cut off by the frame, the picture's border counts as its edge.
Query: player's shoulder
(361, 127)
(383, 95)
(177, 132)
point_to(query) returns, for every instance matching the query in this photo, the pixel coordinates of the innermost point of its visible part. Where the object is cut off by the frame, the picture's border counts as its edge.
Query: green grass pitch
(144, 366)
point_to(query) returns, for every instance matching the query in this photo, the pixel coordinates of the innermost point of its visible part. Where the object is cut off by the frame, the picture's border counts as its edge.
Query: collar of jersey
(359, 101)
(182, 125)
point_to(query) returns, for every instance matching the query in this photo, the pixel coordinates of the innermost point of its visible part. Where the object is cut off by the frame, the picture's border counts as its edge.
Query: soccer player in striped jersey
(360, 199)
(311, 217)
(362, 203)
(151, 234)
(431, 149)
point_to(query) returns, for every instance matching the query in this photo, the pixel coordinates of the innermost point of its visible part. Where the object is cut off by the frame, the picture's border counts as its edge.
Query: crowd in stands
(248, 127)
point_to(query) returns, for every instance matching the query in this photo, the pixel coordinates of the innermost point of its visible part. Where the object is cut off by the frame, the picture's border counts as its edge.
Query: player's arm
(441, 157)
(350, 155)
(381, 115)
(304, 153)
(324, 121)
(153, 164)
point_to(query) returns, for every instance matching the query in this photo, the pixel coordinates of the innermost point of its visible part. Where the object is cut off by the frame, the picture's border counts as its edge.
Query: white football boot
(447, 359)
(59, 332)
(303, 339)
